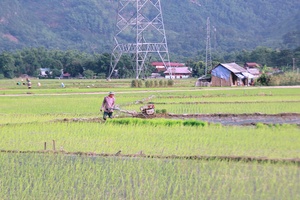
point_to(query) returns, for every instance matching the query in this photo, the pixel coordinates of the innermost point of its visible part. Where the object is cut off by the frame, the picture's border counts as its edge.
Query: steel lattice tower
(208, 62)
(139, 31)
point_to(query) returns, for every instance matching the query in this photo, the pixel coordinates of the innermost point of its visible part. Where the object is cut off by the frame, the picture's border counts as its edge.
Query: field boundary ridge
(142, 155)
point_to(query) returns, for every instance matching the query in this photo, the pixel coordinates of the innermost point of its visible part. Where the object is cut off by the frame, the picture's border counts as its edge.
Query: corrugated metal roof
(172, 64)
(248, 75)
(251, 64)
(233, 67)
(253, 71)
(178, 70)
(241, 76)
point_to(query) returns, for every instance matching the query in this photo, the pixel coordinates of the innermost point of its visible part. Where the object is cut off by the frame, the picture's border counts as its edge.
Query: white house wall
(176, 77)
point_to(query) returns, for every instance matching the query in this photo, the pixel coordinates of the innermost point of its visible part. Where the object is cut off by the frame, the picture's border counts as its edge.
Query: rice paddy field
(54, 144)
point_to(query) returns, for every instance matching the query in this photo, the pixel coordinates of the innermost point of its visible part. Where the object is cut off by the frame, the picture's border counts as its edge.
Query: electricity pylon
(208, 62)
(139, 31)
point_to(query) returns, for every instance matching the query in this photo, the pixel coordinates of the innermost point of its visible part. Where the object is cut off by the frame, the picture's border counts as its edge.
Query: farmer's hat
(111, 93)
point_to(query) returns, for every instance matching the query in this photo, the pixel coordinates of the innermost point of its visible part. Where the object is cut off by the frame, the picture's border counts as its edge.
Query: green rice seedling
(158, 122)
(29, 121)
(157, 111)
(163, 111)
(260, 125)
(33, 176)
(194, 123)
(155, 136)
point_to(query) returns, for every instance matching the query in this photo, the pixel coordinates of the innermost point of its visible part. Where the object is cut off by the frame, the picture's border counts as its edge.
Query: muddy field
(224, 119)
(244, 119)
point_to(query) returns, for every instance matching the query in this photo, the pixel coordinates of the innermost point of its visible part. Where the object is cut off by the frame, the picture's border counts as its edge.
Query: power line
(139, 31)
(208, 62)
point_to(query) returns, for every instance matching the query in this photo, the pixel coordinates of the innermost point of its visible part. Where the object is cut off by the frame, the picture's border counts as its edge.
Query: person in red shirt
(108, 105)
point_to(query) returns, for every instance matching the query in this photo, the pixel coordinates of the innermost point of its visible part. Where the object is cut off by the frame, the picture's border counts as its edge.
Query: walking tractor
(146, 111)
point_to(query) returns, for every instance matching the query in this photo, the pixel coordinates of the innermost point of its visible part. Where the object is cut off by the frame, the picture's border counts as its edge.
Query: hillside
(88, 25)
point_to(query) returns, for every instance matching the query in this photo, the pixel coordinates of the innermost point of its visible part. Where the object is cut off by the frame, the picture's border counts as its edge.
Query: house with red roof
(66, 75)
(161, 67)
(177, 73)
(251, 65)
(252, 68)
(173, 71)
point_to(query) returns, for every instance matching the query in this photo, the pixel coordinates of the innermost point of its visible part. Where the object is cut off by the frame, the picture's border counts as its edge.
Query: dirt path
(142, 155)
(196, 89)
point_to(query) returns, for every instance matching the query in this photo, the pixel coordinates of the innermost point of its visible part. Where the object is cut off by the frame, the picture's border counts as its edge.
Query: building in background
(230, 74)
(160, 67)
(252, 68)
(177, 73)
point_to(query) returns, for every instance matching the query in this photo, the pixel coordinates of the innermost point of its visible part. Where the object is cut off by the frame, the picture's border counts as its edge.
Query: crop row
(33, 176)
(245, 99)
(88, 105)
(160, 139)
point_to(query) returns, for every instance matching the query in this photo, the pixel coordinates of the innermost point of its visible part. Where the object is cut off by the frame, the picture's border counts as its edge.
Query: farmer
(108, 105)
(28, 83)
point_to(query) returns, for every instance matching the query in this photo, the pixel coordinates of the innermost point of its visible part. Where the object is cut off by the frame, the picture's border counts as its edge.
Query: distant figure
(108, 105)
(39, 84)
(28, 83)
(62, 85)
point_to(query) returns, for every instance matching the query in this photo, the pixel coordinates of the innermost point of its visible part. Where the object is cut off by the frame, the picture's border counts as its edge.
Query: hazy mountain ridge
(88, 25)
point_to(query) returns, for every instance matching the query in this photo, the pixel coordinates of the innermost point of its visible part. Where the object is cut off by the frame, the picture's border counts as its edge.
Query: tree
(292, 39)
(198, 68)
(7, 66)
(125, 67)
(261, 55)
(101, 64)
(285, 59)
(56, 73)
(88, 74)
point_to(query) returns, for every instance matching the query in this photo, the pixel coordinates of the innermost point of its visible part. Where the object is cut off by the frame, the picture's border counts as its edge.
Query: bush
(165, 83)
(101, 76)
(160, 83)
(151, 83)
(170, 82)
(140, 83)
(88, 74)
(134, 83)
(163, 111)
(147, 84)
(264, 79)
(284, 79)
